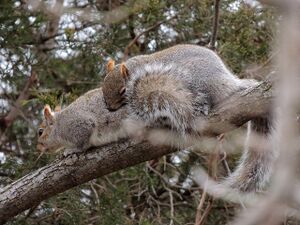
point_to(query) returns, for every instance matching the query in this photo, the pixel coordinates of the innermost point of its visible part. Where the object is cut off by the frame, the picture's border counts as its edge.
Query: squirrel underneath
(167, 89)
(80, 125)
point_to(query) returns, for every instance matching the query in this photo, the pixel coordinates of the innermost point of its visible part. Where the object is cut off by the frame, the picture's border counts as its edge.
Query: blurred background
(51, 52)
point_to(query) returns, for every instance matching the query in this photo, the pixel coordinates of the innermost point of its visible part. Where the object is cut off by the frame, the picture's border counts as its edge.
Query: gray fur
(204, 72)
(81, 124)
(202, 82)
(198, 71)
(175, 86)
(256, 165)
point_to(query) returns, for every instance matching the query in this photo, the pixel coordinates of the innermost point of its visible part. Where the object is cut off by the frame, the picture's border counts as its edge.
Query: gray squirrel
(80, 125)
(175, 87)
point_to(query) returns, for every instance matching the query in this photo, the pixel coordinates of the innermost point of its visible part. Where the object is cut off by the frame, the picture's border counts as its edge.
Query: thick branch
(239, 108)
(73, 170)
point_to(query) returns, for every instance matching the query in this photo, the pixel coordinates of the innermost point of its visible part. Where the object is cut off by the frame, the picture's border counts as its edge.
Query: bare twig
(286, 134)
(171, 205)
(206, 211)
(200, 207)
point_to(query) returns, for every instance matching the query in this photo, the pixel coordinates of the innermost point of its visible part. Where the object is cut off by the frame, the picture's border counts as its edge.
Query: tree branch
(212, 44)
(76, 169)
(239, 108)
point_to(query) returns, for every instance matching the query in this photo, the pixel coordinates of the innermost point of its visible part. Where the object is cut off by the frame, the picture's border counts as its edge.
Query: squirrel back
(205, 73)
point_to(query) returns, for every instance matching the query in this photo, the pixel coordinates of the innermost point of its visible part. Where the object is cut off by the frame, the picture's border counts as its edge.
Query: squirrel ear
(110, 65)
(124, 71)
(57, 108)
(48, 114)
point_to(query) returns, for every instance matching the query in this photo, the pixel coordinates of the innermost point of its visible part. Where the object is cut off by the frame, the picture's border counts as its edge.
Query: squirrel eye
(122, 91)
(41, 130)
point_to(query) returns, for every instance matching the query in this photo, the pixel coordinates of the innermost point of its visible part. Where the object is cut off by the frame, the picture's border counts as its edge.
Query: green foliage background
(76, 64)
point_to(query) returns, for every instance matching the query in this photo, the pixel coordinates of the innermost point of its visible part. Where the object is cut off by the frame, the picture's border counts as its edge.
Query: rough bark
(75, 169)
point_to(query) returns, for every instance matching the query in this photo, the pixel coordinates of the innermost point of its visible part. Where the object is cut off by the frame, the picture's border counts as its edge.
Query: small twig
(96, 193)
(38, 158)
(199, 208)
(213, 170)
(171, 205)
(109, 181)
(223, 155)
(206, 211)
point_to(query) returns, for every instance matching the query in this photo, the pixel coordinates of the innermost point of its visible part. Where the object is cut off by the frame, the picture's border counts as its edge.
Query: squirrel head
(114, 85)
(45, 142)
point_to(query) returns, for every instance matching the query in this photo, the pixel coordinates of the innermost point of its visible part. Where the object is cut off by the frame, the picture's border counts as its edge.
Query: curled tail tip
(242, 186)
(255, 167)
(221, 190)
(253, 180)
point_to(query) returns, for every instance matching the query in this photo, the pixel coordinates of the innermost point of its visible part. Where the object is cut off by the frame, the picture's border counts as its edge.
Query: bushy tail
(255, 167)
(159, 100)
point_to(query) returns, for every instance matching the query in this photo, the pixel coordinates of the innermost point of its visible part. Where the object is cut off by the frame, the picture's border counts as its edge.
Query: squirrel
(79, 125)
(173, 87)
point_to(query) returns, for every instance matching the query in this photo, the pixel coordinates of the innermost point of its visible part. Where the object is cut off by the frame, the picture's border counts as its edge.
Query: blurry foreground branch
(24, 95)
(76, 169)
(274, 208)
